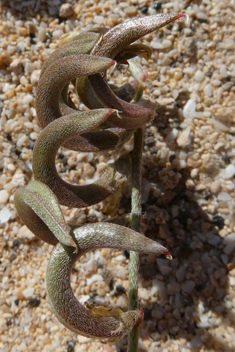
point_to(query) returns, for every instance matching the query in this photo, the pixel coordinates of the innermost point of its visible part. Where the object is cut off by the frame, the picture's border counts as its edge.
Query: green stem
(136, 215)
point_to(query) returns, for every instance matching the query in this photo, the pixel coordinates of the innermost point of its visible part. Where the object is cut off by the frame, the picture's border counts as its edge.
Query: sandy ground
(188, 181)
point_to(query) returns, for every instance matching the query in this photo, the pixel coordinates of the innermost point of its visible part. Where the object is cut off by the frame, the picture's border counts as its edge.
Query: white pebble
(4, 196)
(11, 167)
(94, 278)
(224, 196)
(201, 15)
(204, 322)
(28, 98)
(129, 11)
(223, 71)
(57, 33)
(29, 67)
(208, 90)
(18, 179)
(28, 292)
(5, 215)
(35, 76)
(229, 43)
(143, 293)
(229, 171)
(90, 264)
(122, 274)
(99, 19)
(164, 152)
(28, 124)
(42, 34)
(189, 109)
(22, 45)
(166, 43)
(123, 4)
(194, 173)
(182, 164)
(216, 82)
(189, 70)
(119, 258)
(185, 139)
(172, 53)
(219, 126)
(121, 301)
(199, 75)
(33, 136)
(156, 45)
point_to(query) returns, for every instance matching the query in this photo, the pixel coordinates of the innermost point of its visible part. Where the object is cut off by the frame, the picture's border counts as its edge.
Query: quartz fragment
(189, 110)
(185, 139)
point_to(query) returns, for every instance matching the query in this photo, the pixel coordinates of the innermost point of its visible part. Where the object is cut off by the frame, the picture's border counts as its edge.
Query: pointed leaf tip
(167, 254)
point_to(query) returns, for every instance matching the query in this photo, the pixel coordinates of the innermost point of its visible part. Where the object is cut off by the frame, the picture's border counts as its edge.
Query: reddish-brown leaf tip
(141, 317)
(168, 255)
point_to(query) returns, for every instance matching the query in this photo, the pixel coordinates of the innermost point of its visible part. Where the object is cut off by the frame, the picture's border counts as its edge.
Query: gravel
(188, 180)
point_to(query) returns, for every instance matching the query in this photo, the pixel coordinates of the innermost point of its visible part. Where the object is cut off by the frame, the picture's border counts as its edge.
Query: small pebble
(229, 171)
(215, 187)
(143, 293)
(28, 292)
(223, 71)
(70, 347)
(199, 75)
(218, 221)
(88, 170)
(214, 240)
(230, 238)
(188, 286)
(4, 196)
(119, 289)
(202, 15)
(198, 222)
(35, 76)
(130, 11)
(196, 342)
(144, 9)
(189, 110)
(166, 44)
(34, 302)
(66, 10)
(15, 242)
(16, 66)
(25, 235)
(157, 6)
(185, 139)
(29, 68)
(178, 75)
(208, 90)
